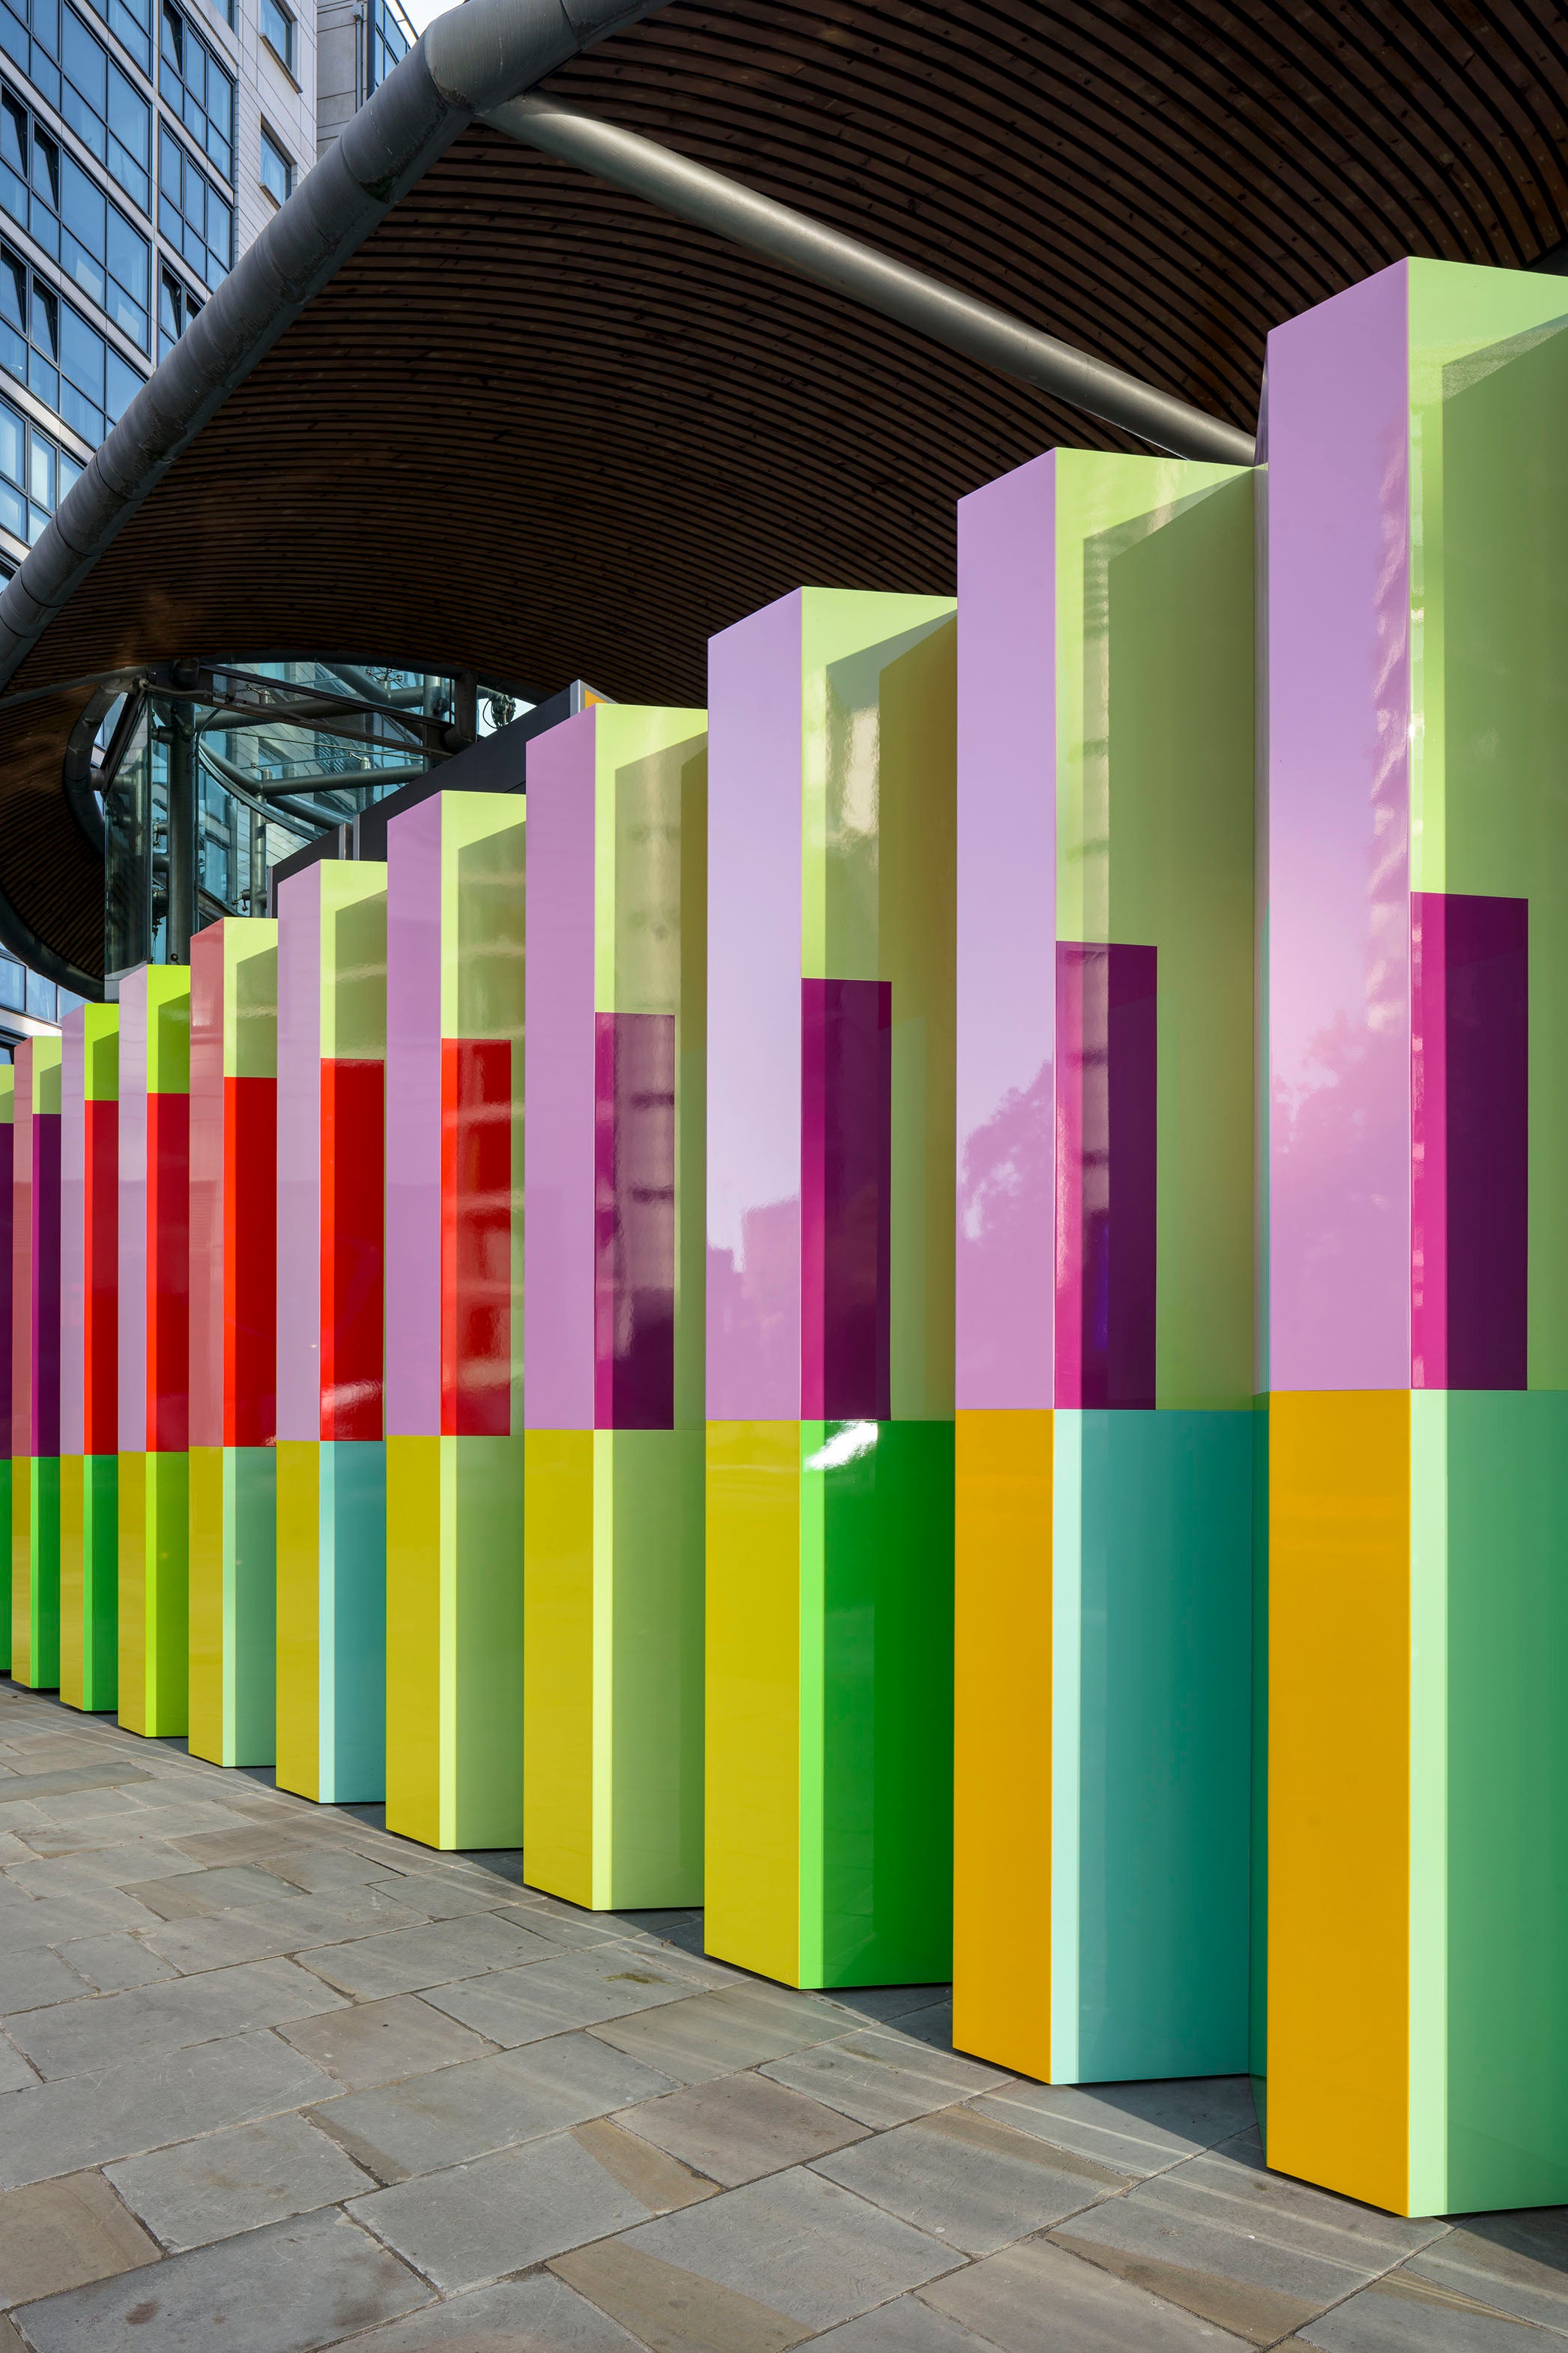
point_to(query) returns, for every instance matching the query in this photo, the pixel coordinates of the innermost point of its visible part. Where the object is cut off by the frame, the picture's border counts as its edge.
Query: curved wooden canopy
(536, 429)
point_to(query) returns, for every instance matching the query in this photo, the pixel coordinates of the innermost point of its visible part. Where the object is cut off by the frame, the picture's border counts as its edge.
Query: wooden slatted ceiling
(536, 428)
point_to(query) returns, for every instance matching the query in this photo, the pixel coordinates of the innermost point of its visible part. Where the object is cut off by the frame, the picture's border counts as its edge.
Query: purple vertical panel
(846, 1186)
(634, 1220)
(1006, 894)
(414, 1122)
(300, 1235)
(1339, 716)
(133, 1320)
(753, 1017)
(8, 1141)
(73, 1234)
(1470, 1168)
(1107, 1173)
(558, 1390)
(46, 1283)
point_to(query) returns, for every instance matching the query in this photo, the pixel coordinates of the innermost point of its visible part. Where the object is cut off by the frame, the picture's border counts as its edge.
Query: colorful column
(454, 1321)
(332, 1459)
(154, 1342)
(36, 1368)
(90, 1279)
(1104, 1323)
(613, 1576)
(1418, 1258)
(829, 1310)
(8, 1110)
(233, 1350)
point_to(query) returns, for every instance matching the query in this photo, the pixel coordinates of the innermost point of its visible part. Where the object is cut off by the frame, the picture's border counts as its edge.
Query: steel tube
(693, 193)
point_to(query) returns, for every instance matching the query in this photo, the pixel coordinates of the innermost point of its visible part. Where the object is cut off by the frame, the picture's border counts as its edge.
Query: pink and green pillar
(829, 1306)
(233, 1340)
(1417, 1255)
(454, 991)
(1104, 1269)
(90, 1468)
(612, 1506)
(332, 1455)
(35, 1366)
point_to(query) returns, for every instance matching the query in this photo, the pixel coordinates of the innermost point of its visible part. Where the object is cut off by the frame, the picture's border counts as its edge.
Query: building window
(105, 109)
(277, 172)
(177, 306)
(390, 39)
(34, 475)
(196, 88)
(40, 57)
(191, 215)
(46, 344)
(46, 191)
(278, 25)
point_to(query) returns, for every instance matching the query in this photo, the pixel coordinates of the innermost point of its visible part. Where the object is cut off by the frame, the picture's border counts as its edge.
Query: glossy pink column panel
(559, 1137)
(1338, 849)
(299, 1157)
(846, 1102)
(1107, 1174)
(1006, 933)
(414, 1122)
(754, 1018)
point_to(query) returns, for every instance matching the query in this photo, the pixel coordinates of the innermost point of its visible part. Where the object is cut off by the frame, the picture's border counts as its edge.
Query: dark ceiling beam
(826, 256)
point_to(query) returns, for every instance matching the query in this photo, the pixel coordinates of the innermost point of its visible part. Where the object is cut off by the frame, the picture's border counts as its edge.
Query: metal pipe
(182, 865)
(830, 258)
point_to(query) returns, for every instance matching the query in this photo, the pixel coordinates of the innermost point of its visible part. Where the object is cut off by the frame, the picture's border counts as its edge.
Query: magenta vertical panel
(46, 1310)
(1470, 1168)
(846, 1188)
(1006, 894)
(414, 1122)
(132, 1319)
(300, 1156)
(558, 1125)
(1107, 1169)
(1339, 862)
(634, 1221)
(73, 1234)
(753, 1017)
(7, 1211)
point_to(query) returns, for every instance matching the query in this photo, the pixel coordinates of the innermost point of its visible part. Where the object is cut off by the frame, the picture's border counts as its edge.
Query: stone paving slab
(456, 2114)
(61, 2234)
(227, 2183)
(293, 2288)
(282, 2081)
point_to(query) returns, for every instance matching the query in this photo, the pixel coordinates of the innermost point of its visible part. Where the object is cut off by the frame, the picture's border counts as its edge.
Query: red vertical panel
(206, 1413)
(168, 1279)
(354, 1102)
(250, 1262)
(476, 1237)
(101, 1340)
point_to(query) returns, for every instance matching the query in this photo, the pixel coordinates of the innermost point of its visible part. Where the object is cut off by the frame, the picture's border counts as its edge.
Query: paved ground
(271, 2080)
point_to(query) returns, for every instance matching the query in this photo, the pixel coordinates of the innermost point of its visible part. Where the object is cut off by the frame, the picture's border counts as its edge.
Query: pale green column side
(1155, 633)
(1507, 1828)
(653, 1526)
(1489, 366)
(250, 1569)
(481, 1663)
(352, 1624)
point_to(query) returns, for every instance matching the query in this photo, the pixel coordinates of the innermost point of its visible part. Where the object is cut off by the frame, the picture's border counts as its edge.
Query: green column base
(90, 1581)
(36, 1573)
(234, 1568)
(154, 1512)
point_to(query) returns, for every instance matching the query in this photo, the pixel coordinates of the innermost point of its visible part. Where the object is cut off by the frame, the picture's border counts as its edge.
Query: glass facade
(197, 88)
(46, 191)
(391, 38)
(191, 214)
(260, 760)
